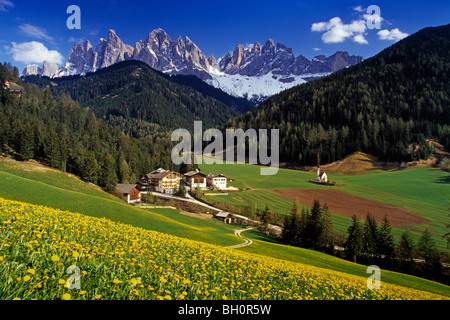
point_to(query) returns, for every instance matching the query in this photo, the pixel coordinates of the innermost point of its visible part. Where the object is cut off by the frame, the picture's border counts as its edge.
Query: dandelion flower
(31, 271)
(26, 278)
(66, 296)
(54, 258)
(97, 296)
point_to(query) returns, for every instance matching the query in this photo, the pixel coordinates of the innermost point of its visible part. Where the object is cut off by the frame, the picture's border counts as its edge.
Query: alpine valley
(88, 177)
(253, 72)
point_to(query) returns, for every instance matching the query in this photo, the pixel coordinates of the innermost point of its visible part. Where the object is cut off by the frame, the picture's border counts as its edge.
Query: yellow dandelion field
(116, 261)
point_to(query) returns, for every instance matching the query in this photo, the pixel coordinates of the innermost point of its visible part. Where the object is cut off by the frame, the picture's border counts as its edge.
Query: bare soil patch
(349, 205)
(202, 216)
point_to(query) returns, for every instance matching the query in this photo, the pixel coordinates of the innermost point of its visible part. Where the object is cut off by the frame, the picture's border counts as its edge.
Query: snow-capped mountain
(179, 56)
(255, 73)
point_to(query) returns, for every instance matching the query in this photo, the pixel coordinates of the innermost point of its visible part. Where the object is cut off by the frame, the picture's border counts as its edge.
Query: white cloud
(317, 49)
(34, 32)
(359, 38)
(74, 40)
(4, 4)
(34, 52)
(394, 34)
(358, 9)
(336, 31)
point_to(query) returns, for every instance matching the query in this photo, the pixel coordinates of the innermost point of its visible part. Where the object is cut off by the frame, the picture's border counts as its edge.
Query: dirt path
(247, 242)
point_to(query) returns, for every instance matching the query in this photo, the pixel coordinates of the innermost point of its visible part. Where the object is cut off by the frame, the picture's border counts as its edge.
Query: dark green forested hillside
(382, 106)
(141, 100)
(66, 136)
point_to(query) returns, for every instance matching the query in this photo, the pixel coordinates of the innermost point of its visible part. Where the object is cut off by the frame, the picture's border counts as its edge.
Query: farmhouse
(13, 88)
(160, 180)
(218, 181)
(128, 193)
(224, 216)
(195, 179)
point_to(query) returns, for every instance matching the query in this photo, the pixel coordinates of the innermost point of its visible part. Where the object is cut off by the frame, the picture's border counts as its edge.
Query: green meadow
(52, 188)
(424, 191)
(25, 182)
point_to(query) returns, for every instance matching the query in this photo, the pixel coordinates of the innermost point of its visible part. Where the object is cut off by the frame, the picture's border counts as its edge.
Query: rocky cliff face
(275, 65)
(179, 56)
(259, 61)
(83, 59)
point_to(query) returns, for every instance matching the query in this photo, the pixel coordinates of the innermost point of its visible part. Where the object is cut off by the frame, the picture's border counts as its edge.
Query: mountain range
(254, 72)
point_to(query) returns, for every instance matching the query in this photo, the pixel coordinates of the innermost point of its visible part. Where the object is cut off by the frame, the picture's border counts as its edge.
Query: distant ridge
(382, 106)
(254, 73)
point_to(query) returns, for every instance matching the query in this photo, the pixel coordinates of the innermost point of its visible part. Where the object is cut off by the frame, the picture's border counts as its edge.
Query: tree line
(133, 94)
(60, 133)
(366, 242)
(386, 105)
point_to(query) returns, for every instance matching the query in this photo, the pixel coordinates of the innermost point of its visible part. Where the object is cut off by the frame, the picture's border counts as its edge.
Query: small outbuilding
(226, 217)
(128, 192)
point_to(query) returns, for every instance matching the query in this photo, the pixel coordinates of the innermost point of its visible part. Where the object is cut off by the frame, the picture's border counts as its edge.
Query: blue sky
(34, 30)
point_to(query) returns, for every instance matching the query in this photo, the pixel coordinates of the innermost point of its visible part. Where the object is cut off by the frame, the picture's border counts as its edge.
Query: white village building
(322, 177)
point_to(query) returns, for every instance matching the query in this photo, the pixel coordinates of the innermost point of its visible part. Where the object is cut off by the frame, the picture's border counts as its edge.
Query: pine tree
(385, 244)
(264, 218)
(317, 232)
(405, 252)
(64, 153)
(53, 151)
(90, 168)
(124, 170)
(108, 177)
(251, 209)
(293, 227)
(26, 143)
(370, 236)
(432, 268)
(354, 242)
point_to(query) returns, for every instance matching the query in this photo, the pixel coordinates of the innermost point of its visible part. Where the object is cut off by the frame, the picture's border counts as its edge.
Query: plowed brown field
(349, 205)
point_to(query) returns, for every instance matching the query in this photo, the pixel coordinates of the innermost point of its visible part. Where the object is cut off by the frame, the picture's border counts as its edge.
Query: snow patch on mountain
(252, 71)
(258, 88)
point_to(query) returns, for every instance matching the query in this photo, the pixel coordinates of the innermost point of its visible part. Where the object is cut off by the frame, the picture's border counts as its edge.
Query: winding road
(238, 232)
(247, 242)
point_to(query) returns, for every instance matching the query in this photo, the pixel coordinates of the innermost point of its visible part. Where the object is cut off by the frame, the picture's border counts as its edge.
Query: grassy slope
(262, 245)
(55, 189)
(52, 188)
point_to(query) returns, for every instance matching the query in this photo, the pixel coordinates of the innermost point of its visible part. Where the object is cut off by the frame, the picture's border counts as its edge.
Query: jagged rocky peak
(280, 60)
(83, 59)
(112, 50)
(173, 56)
(49, 69)
(273, 61)
(31, 69)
